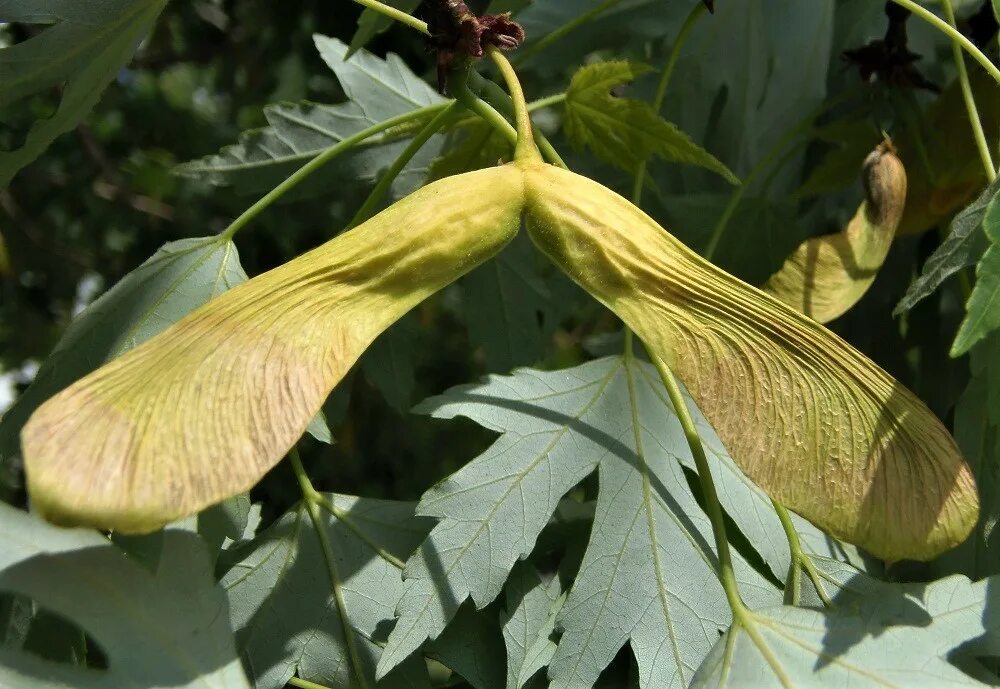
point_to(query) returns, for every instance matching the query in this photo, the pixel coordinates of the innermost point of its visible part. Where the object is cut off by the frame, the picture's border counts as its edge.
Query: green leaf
(963, 247)
(288, 620)
(376, 89)
(977, 431)
(177, 279)
(649, 534)
(389, 363)
(983, 308)
(529, 619)
(167, 628)
(473, 647)
(625, 131)
(899, 636)
(80, 52)
(503, 300)
(372, 23)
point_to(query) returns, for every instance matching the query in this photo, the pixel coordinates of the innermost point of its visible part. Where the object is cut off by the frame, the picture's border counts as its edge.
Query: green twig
(390, 175)
(312, 501)
(322, 159)
(970, 101)
(396, 15)
(952, 33)
(661, 87)
(560, 32)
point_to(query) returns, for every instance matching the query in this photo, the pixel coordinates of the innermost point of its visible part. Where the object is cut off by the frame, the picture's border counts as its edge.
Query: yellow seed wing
(202, 411)
(825, 276)
(810, 419)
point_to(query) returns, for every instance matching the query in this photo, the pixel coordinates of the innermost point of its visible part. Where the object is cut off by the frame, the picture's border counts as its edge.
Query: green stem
(525, 150)
(560, 32)
(322, 159)
(498, 98)
(312, 500)
(970, 100)
(727, 574)
(799, 559)
(396, 15)
(952, 33)
(661, 87)
(418, 141)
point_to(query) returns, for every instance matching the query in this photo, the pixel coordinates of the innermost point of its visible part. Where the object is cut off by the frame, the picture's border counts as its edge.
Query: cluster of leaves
(574, 549)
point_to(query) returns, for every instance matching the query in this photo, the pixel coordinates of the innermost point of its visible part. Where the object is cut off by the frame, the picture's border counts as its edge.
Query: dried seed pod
(825, 276)
(811, 420)
(200, 412)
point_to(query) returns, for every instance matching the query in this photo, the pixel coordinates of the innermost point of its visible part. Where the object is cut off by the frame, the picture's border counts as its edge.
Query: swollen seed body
(811, 420)
(202, 411)
(825, 276)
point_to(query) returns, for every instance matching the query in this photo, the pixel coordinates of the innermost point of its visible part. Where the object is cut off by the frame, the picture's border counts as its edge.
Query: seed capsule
(825, 276)
(202, 411)
(811, 420)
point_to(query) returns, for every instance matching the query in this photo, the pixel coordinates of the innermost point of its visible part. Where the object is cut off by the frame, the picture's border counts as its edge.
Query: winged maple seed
(203, 410)
(816, 424)
(825, 276)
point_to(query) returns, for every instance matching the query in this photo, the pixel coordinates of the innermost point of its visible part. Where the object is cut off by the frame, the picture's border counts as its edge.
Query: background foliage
(532, 547)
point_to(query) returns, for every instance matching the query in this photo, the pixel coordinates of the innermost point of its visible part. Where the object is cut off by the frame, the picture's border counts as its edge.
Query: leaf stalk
(396, 15)
(975, 123)
(322, 159)
(416, 143)
(800, 560)
(713, 507)
(952, 33)
(312, 499)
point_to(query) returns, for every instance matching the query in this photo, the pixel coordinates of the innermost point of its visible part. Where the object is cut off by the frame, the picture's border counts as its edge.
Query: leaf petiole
(322, 159)
(970, 101)
(800, 562)
(430, 129)
(396, 15)
(464, 95)
(952, 33)
(312, 501)
(727, 575)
